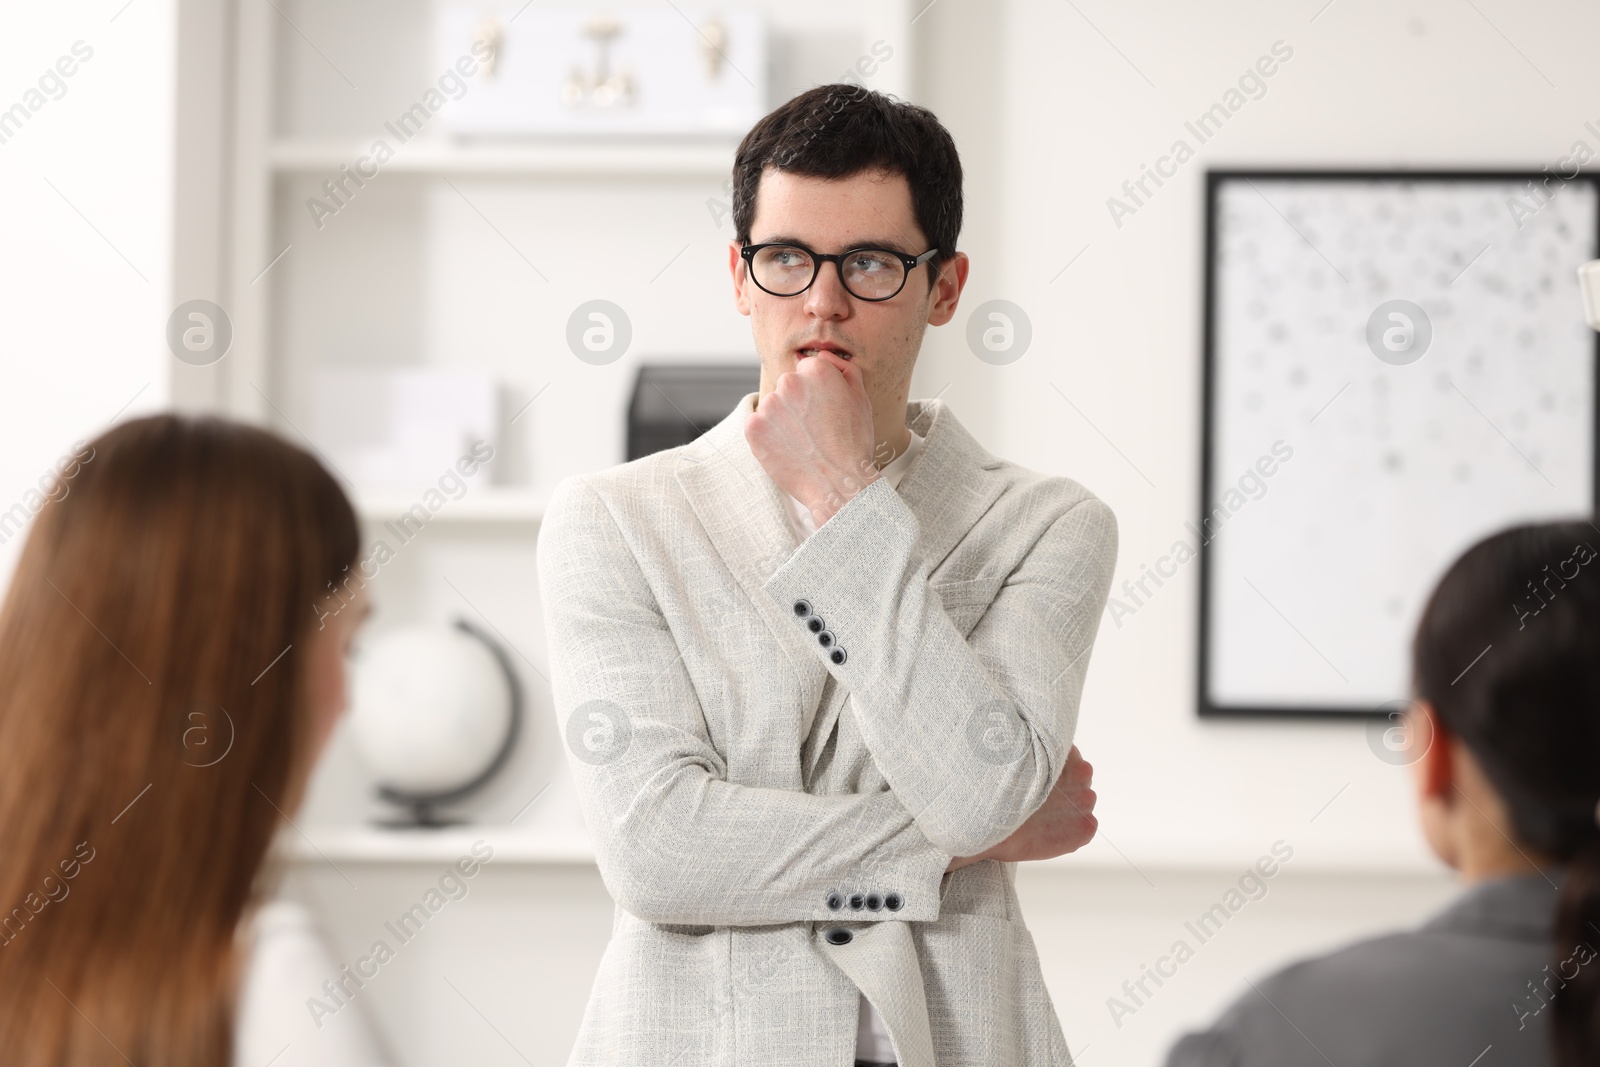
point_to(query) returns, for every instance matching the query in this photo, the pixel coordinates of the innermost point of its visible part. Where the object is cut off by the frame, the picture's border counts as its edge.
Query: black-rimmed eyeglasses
(867, 273)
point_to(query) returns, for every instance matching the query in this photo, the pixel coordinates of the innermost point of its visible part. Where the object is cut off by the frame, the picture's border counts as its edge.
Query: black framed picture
(1395, 364)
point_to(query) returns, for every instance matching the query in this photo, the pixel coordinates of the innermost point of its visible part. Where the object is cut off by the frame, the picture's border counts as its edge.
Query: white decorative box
(673, 69)
(401, 427)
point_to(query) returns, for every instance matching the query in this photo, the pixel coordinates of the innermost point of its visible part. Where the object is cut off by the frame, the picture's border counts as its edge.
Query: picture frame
(1307, 604)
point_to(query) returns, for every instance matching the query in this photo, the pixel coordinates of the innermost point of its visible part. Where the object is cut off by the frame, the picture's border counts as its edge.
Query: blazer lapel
(947, 487)
(742, 511)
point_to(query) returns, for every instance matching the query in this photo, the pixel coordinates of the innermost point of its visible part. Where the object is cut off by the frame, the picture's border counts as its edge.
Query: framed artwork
(1396, 364)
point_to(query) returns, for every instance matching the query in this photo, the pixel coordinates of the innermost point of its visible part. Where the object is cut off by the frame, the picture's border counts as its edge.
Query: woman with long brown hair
(171, 663)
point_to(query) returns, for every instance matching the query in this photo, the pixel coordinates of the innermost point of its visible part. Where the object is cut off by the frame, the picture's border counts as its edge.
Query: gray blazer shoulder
(1437, 996)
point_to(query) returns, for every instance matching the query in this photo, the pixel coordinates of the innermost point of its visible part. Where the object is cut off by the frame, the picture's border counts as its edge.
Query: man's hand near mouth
(813, 432)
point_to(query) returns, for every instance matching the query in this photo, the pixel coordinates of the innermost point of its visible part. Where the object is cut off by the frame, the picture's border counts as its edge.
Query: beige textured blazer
(778, 749)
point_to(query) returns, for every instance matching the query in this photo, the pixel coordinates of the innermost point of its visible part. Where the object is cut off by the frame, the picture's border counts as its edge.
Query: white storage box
(571, 70)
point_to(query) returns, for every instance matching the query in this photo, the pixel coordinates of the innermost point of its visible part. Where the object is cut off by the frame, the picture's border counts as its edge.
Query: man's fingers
(1079, 800)
(851, 372)
(1082, 800)
(1078, 772)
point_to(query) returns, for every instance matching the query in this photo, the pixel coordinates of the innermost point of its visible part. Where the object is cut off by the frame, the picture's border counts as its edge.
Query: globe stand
(423, 808)
(424, 814)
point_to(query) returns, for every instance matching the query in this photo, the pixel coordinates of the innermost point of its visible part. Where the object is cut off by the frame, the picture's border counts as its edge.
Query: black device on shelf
(672, 404)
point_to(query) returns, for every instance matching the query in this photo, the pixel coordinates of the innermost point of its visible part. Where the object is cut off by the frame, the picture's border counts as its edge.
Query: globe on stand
(435, 713)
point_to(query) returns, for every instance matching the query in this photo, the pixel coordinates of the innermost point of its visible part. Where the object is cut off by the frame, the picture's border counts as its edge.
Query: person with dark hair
(818, 671)
(1503, 735)
(172, 654)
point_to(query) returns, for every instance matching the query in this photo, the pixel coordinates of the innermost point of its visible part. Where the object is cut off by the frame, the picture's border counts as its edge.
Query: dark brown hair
(154, 728)
(836, 131)
(1508, 653)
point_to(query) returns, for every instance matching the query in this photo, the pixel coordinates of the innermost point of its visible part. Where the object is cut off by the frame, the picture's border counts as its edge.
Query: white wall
(1065, 116)
(85, 260)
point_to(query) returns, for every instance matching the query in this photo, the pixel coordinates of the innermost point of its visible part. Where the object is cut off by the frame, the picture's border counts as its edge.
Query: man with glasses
(818, 671)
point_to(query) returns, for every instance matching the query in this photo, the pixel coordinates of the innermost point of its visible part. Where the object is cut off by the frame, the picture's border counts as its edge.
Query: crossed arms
(970, 734)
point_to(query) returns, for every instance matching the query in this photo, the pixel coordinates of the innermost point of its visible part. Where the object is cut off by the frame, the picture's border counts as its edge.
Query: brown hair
(835, 131)
(153, 735)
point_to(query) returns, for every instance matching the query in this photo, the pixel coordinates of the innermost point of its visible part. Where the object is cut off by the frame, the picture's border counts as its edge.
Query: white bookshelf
(373, 844)
(365, 844)
(440, 156)
(492, 505)
(473, 253)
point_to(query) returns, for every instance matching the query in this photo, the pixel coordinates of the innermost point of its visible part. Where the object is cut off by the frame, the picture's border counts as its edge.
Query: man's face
(870, 209)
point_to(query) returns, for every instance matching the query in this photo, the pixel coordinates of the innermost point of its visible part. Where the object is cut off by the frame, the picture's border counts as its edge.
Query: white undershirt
(800, 518)
(872, 1037)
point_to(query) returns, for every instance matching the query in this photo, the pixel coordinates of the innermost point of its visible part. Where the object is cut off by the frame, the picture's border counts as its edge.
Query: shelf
(1312, 857)
(700, 158)
(376, 844)
(487, 505)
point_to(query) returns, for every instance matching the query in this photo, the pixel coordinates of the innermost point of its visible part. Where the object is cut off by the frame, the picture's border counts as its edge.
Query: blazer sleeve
(970, 733)
(674, 840)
